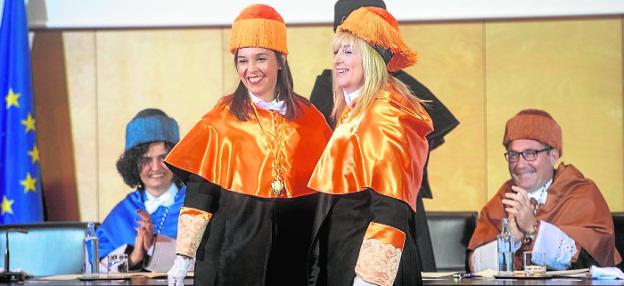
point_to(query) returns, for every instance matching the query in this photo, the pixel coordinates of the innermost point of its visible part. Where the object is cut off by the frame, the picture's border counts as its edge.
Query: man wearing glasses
(558, 211)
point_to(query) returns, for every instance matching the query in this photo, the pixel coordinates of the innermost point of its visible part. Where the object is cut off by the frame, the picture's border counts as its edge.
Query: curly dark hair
(128, 165)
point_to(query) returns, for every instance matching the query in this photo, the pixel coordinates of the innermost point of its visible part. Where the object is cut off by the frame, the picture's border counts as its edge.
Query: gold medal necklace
(277, 149)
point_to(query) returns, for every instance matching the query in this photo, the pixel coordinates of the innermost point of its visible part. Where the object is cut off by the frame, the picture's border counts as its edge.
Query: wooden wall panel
(310, 53)
(58, 172)
(571, 68)
(230, 76)
(179, 71)
(451, 65)
(81, 87)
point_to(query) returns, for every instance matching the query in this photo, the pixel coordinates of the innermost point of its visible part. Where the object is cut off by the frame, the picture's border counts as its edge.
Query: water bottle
(505, 248)
(91, 255)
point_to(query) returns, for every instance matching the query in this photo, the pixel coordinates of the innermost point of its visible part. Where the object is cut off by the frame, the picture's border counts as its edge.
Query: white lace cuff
(191, 226)
(380, 254)
(559, 248)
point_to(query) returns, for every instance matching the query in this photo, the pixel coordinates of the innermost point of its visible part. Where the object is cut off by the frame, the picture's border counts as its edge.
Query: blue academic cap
(150, 125)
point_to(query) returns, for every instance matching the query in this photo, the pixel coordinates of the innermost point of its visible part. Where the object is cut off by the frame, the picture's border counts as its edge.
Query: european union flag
(20, 177)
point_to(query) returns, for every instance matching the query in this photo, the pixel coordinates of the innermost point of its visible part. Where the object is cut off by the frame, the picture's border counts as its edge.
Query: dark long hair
(240, 105)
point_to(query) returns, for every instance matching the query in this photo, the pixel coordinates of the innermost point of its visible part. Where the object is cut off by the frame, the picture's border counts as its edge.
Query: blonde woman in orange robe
(372, 166)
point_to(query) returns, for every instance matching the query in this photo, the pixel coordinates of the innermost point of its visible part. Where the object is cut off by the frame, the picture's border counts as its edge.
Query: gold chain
(277, 149)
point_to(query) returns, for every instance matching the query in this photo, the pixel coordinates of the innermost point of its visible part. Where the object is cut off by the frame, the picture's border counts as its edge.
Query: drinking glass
(534, 263)
(118, 263)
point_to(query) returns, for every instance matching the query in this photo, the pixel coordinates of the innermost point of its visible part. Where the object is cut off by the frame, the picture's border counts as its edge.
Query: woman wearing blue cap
(154, 206)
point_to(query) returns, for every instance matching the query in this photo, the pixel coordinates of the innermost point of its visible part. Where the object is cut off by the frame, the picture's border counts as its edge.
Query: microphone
(7, 275)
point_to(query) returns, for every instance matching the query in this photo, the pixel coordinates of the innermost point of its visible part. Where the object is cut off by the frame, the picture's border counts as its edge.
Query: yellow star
(29, 183)
(29, 122)
(6, 205)
(11, 99)
(34, 154)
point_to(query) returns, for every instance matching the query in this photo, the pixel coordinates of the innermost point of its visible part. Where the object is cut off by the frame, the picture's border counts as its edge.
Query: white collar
(540, 194)
(350, 97)
(167, 199)
(274, 105)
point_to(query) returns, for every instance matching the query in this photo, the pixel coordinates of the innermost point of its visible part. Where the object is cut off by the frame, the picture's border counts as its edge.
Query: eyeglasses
(145, 161)
(528, 155)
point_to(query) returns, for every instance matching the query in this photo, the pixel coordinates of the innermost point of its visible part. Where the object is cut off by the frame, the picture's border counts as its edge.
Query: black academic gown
(343, 220)
(248, 238)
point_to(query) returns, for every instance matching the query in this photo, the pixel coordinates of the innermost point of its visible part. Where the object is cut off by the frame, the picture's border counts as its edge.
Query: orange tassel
(259, 26)
(378, 27)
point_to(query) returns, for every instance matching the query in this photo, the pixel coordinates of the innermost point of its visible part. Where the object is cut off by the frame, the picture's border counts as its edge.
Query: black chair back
(450, 234)
(618, 224)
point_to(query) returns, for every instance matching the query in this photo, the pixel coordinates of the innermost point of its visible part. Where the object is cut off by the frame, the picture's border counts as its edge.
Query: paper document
(62, 277)
(163, 254)
(485, 257)
(155, 275)
(437, 274)
(487, 273)
(570, 273)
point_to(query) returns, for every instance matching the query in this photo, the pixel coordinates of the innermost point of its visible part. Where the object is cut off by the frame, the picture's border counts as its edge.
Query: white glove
(177, 273)
(358, 281)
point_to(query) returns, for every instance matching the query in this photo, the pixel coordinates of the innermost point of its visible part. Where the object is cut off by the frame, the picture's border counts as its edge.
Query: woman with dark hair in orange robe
(248, 214)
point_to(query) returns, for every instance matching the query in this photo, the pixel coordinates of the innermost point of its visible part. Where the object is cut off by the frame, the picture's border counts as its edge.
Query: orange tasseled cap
(379, 28)
(259, 26)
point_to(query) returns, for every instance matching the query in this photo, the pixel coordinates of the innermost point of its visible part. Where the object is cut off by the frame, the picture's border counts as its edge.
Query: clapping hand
(144, 238)
(520, 212)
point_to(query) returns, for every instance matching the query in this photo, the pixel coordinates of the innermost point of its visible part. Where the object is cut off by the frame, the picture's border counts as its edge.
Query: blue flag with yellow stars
(20, 176)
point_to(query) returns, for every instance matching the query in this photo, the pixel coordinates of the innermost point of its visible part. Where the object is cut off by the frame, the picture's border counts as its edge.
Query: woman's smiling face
(348, 67)
(257, 68)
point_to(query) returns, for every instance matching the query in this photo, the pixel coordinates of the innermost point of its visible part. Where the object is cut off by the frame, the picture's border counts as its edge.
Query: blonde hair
(376, 77)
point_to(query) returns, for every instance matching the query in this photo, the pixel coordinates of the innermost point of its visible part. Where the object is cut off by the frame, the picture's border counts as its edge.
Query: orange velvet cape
(235, 154)
(574, 204)
(385, 150)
